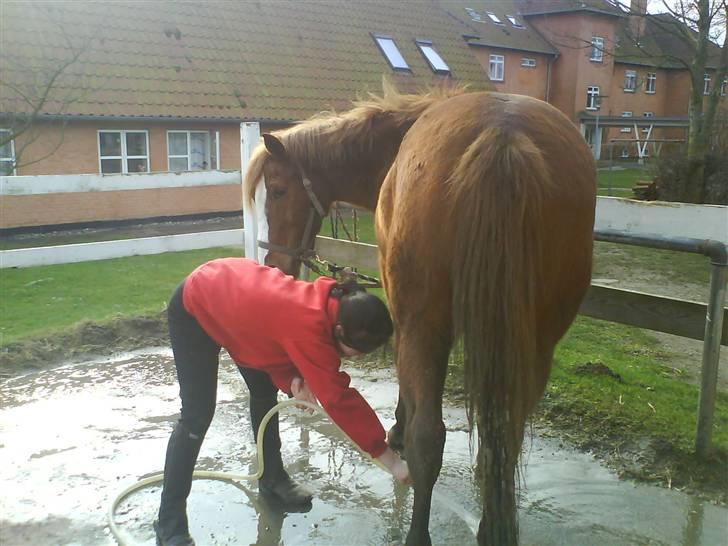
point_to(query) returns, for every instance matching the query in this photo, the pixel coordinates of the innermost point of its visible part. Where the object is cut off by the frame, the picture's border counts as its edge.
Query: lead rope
(123, 539)
(346, 274)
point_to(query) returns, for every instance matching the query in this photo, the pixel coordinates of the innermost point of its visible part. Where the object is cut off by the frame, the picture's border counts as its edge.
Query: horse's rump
(516, 235)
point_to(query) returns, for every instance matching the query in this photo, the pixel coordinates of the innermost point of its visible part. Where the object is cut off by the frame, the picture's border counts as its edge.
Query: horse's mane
(330, 137)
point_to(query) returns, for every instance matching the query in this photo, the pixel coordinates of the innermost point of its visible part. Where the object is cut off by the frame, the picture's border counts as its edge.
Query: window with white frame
(651, 82)
(494, 18)
(436, 62)
(123, 152)
(515, 22)
(474, 15)
(706, 84)
(630, 81)
(391, 52)
(528, 63)
(497, 68)
(647, 115)
(626, 129)
(7, 153)
(592, 97)
(191, 150)
(597, 49)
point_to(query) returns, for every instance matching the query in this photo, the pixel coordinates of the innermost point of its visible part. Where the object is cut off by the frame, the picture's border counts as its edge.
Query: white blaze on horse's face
(262, 219)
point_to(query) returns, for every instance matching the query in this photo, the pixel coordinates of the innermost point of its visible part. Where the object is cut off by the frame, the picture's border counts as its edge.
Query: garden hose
(122, 538)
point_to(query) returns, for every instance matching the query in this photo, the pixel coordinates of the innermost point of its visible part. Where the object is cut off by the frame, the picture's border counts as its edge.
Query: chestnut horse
(484, 216)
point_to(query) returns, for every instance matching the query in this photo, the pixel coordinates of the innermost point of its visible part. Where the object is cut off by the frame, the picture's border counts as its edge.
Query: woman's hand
(300, 391)
(396, 466)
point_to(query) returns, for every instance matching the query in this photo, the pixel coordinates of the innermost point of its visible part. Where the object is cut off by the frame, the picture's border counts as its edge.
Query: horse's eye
(277, 193)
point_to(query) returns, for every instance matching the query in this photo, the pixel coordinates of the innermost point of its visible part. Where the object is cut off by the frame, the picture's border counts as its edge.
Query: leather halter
(302, 252)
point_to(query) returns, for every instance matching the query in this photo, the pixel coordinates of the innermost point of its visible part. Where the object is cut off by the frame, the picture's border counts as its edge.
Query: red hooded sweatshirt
(271, 322)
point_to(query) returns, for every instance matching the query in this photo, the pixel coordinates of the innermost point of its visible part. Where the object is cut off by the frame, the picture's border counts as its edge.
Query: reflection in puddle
(71, 438)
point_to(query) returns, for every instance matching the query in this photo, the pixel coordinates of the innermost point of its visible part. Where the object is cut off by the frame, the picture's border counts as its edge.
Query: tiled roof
(474, 22)
(255, 59)
(542, 7)
(665, 42)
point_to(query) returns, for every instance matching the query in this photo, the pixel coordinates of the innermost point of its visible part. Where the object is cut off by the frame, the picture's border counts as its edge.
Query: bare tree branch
(38, 95)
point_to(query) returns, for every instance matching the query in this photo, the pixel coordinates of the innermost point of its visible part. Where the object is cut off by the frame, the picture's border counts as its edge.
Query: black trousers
(196, 357)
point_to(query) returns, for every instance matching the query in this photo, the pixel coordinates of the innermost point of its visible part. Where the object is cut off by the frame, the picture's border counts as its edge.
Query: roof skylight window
(438, 65)
(391, 52)
(474, 15)
(494, 18)
(515, 22)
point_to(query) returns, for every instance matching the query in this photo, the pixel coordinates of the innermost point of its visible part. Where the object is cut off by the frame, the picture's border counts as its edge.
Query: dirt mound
(87, 338)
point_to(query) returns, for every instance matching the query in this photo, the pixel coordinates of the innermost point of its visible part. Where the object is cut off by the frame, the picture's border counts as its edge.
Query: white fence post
(249, 138)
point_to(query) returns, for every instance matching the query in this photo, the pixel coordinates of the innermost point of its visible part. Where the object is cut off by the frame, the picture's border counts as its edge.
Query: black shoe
(176, 540)
(285, 493)
(276, 486)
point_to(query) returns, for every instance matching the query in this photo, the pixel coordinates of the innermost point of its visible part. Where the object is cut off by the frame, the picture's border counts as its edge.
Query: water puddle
(72, 438)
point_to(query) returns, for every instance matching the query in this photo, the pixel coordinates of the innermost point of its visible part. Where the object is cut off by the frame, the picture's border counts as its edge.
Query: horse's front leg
(421, 366)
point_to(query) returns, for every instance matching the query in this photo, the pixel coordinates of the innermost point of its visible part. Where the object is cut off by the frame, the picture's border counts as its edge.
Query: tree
(30, 92)
(695, 24)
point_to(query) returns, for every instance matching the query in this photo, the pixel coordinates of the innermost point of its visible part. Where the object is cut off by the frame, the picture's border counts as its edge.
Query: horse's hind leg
(421, 365)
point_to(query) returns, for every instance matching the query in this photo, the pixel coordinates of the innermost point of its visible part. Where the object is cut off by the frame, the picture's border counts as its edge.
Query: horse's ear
(274, 146)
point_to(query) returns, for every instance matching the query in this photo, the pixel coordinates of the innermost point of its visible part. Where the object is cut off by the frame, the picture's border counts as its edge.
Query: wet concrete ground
(72, 438)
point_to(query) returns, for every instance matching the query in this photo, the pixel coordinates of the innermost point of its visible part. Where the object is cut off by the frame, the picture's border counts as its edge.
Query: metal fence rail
(659, 313)
(713, 331)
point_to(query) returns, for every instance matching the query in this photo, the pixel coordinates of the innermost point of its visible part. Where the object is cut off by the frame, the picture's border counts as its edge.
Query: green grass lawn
(647, 397)
(38, 301)
(619, 182)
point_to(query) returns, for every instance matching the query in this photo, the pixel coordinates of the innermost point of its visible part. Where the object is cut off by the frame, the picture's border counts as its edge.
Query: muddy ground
(75, 436)
(636, 459)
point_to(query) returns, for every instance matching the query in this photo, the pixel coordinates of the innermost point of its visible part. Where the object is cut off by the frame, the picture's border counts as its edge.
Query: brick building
(164, 86)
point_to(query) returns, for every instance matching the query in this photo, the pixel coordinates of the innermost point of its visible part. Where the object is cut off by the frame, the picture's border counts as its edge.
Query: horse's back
(482, 143)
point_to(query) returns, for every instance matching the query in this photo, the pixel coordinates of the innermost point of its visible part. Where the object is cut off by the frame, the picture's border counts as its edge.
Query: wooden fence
(659, 313)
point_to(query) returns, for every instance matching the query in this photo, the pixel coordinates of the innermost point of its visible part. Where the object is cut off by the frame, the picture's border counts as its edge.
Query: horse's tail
(497, 188)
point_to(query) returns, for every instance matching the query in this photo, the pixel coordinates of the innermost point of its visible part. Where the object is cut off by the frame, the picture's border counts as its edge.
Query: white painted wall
(104, 250)
(663, 219)
(79, 183)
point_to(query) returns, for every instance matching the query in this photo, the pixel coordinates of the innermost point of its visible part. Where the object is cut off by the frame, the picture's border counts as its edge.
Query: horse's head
(289, 209)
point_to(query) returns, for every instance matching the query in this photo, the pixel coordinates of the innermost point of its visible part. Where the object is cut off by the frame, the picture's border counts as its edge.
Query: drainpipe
(549, 66)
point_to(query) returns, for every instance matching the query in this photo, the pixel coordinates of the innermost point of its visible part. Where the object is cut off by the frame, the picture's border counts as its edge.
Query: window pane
(177, 144)
(392, 53)
(136, 144)
(435, 60)
(199, 158)
(178, 164)
(110, 144)
(597, 48)
(213, 152)
(110, 166)
(136, 166)
(6, 168)
(6, 150)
